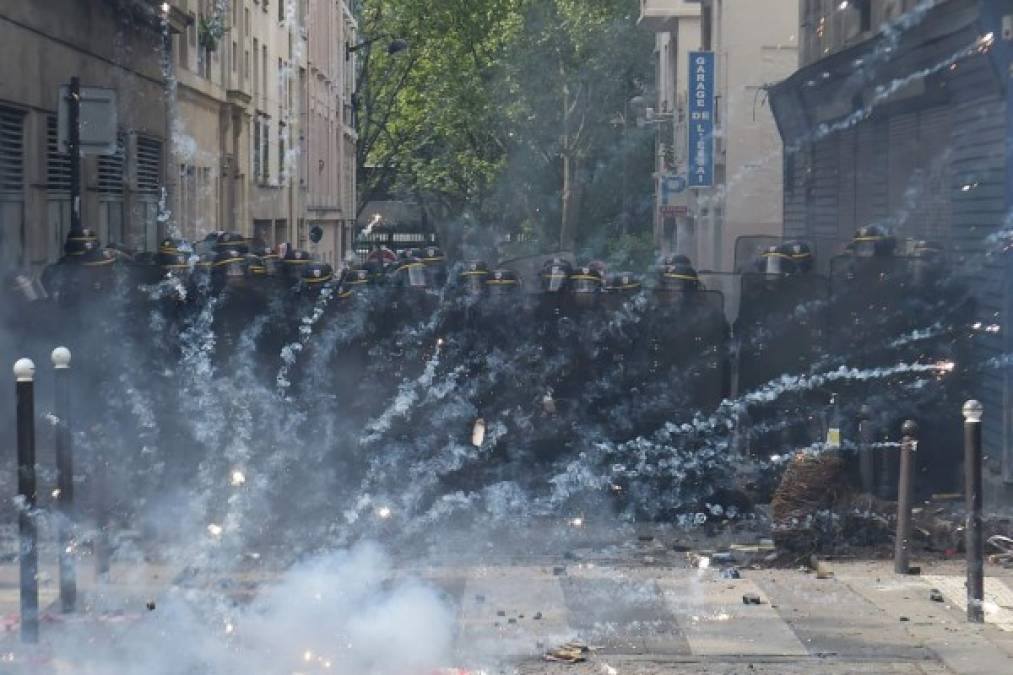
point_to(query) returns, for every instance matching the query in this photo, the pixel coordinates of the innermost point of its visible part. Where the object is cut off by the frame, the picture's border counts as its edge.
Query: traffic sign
(98, 123)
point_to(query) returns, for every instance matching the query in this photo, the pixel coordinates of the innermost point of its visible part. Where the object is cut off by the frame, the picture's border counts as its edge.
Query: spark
(56, 493)
(229, 628)
(986, 40)
(307, 655)
(439, 342)
(165, 8)
(577, 522)
(237, 479)
(844, 5)
(945, 366)
(215, 529)
(478, 433)
(383, 512)
(704, 562)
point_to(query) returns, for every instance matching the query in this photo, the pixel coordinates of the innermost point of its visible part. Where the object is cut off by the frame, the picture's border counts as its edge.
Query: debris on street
(571, 652)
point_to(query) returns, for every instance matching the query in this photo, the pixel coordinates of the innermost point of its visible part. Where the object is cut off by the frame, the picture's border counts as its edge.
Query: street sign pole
(74, 150)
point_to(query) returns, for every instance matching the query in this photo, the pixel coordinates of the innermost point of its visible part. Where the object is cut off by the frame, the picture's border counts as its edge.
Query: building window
(235, 57)
(147, 169)
(282, 177)
(57, 191)
(265, 137)
(57, 163)
(12, 180)
(263, 71)
(256, 67)
(148, 166)
(864, 15)
(281, 11)
(256, 148)
(111, 176)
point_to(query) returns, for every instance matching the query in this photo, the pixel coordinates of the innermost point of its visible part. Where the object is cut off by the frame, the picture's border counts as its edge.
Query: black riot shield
(903, 333)
(780, 327)
(687, 355)
(780, 330)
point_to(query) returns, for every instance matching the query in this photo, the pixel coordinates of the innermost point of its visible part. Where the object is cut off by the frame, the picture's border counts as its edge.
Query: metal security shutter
(148, 166)
(848, 171)
(796, 166)
(823, 186)
(111, 177)
(111, 170)
(903, 163)
(977, 165)
(147, 170)
(57, 163)
(932, 215)
(12, 164)
(57, 191)
(871, 194)
(919, 170)
(12, 181)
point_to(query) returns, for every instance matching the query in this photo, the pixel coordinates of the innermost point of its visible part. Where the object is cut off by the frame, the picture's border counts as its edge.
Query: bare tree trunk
(572, 193)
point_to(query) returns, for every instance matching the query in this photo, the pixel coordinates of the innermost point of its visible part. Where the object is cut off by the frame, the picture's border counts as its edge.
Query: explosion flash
(237, 479)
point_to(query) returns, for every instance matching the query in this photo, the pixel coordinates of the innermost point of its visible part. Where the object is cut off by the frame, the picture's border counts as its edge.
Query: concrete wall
(44, 44)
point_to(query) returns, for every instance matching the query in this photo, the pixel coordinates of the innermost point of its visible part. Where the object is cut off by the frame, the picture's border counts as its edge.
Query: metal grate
(12, 156)
(57, 163)
(149, 165)
(110, 170)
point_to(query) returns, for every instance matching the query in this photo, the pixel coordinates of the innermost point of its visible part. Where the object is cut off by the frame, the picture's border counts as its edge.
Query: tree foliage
(512, 111)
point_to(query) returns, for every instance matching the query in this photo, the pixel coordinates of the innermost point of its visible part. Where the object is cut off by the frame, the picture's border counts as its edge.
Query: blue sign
(670, 187)
(701, 119)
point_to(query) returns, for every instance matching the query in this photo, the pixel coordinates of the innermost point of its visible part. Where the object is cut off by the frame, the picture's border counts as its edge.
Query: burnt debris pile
(233, 383)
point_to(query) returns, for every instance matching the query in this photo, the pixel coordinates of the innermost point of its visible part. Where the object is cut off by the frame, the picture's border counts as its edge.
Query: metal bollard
(28, 554)
(905, 488)
(972, 496)
(64, 478)
(866, 459)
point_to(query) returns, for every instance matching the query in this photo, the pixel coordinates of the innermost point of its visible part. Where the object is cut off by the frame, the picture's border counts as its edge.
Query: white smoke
(342, 613)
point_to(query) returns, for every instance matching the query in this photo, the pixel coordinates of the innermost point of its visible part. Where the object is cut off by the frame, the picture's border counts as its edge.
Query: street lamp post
(28, 554)
(972, 495)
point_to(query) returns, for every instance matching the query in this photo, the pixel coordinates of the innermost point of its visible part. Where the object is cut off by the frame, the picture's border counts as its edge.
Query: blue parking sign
(701, 119)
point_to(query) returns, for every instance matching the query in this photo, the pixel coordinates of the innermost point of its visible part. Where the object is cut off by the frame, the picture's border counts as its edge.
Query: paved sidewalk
(638, 619)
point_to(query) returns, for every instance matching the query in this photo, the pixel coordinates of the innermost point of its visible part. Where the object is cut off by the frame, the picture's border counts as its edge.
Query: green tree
(506, 110)
(574, 66)
(425, 122)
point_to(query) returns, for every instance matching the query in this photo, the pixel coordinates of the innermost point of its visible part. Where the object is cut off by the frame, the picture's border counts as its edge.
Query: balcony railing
(661, 15)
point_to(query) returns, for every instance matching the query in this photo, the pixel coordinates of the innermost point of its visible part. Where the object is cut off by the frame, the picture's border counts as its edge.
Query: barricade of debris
(814, 510)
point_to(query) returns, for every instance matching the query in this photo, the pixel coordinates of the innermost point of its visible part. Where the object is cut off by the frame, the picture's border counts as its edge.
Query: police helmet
(316, 274)
(622, 282)
(229, 265)
(222, 240)
(80, 242)
(586, 279)
(775, 260)
(555, 275)
(502, 281)
(411, 273)
(801, 255)
(473, 276)
(678, 277)
(872, 241)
